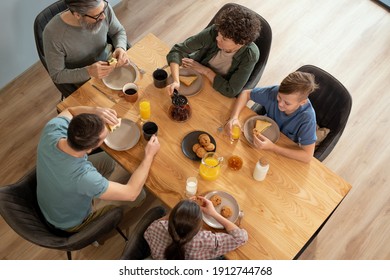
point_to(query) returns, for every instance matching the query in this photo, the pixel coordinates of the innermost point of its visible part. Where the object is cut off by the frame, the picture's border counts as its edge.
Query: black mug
(160, 78)
(148, 129)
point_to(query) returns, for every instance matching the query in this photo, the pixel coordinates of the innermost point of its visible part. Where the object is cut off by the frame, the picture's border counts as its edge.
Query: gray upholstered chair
(19, 208)
(137, 248)
(332, 104)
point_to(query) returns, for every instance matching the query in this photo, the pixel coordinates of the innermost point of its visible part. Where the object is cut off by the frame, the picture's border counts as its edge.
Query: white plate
(272, 132)
(121, 76)
(227, 200)
(124, 137)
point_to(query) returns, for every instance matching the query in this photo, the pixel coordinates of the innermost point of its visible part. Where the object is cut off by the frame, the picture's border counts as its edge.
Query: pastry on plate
(195, 147)
(210, 147)
(204, 139)
(187, 80)
(216, 200)
(261, 126)
(226, 211)
(200, 152)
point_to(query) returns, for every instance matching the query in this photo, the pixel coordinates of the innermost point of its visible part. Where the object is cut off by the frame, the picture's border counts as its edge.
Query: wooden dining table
(281, 214)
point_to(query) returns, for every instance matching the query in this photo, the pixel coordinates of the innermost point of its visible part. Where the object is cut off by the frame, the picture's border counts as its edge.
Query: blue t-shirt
(299, 126)
(66, 185)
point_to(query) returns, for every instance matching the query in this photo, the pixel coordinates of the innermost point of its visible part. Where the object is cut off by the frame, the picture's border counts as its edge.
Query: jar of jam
(235, 162)
(180, 110)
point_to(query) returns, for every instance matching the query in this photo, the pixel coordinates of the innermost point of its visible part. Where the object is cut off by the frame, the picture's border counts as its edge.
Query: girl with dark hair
(181, 236)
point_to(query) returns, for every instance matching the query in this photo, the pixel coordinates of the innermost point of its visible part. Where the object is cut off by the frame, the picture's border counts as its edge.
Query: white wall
(17, 44)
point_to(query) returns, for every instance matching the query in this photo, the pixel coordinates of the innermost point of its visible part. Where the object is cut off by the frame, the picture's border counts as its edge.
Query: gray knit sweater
(69, 49)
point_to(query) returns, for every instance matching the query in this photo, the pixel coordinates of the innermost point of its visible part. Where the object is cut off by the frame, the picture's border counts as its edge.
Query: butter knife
(105, 94)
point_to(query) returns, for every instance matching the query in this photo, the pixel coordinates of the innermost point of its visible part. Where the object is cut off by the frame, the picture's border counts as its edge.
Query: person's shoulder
(55, 23)
(210, 32)
(110, 12)
(309, 112)
(55, 28)
(252, 47)
(60, 120)
(268, 89)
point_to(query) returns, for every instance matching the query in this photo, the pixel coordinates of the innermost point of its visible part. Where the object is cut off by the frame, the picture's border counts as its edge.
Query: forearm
(240, 104)
(175, 71)
(138, 178)
(300, 154)
(227, 224)
(210, 74)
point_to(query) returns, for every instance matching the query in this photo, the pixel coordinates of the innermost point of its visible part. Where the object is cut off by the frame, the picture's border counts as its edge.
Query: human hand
(152, 147)
(100, 69)
(108, 115)
(190, 63)
(171, 87)
(207, 206)
(121, 56)
(229, 125)
(262, 142)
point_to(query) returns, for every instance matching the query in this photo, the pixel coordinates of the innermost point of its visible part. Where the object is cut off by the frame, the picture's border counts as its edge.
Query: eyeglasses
(99, 15)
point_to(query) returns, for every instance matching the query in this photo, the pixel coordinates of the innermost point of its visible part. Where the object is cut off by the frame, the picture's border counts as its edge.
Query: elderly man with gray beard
(75, 42)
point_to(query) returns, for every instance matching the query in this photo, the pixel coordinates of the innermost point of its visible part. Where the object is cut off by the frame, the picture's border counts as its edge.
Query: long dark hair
(185, 221)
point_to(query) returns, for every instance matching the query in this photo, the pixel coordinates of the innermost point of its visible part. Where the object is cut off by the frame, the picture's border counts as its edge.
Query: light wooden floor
(348, 38)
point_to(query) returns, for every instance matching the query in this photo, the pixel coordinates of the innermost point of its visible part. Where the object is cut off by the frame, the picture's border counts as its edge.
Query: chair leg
(69, 254)
(121, 233)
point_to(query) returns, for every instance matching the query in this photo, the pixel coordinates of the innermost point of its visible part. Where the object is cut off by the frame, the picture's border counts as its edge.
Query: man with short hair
(289, 106)
(68, 179)
(75, 42)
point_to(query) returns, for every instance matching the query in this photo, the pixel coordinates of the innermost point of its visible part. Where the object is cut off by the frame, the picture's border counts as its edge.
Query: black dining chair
(332, 104)
(263, 42)
(40, 22)
(137, 248)
(19, 208)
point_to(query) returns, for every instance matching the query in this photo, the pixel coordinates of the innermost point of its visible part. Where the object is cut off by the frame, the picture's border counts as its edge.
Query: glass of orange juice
(144, 109)
(210, 167)
(235, 133)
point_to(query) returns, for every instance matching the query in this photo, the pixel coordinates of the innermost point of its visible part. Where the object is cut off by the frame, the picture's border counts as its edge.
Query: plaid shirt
(205, 244)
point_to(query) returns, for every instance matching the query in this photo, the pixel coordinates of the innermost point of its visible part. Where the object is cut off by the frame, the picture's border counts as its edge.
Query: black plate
(190, 140)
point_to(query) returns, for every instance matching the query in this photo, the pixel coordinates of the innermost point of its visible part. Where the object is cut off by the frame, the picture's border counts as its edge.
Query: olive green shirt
(203, 46)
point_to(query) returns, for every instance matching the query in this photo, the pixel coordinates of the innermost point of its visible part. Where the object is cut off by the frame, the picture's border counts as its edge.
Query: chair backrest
(19, 208)
(40, 23)
(332, 104)
(263, 42)
(137, 248)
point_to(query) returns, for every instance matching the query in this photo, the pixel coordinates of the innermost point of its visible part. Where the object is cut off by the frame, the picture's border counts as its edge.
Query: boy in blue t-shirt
(288, 105)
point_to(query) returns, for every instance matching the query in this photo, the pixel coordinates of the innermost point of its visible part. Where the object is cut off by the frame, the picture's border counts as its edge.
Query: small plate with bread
(191, 81)
(197, 143)
(123, 136)
(261, 124)
(225, 204)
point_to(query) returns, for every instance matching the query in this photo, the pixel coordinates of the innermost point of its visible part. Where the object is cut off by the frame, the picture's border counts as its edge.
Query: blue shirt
(300, 126)
(66, 185)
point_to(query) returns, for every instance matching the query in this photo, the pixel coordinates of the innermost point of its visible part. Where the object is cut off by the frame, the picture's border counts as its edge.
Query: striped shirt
(205, 244)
